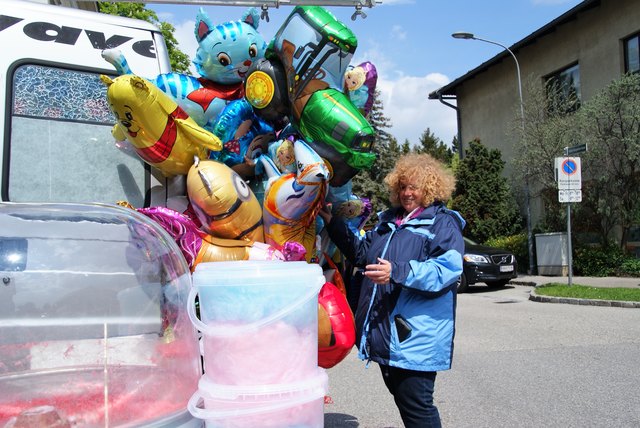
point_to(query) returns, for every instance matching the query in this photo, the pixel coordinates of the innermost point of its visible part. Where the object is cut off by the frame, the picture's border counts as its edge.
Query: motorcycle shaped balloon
(313, 50)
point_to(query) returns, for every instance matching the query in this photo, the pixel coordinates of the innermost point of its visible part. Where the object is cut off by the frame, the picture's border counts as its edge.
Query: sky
(410, 43)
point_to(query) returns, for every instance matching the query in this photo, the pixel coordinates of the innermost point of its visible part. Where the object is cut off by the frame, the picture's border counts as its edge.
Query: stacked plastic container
(259, 324)
(94, 330)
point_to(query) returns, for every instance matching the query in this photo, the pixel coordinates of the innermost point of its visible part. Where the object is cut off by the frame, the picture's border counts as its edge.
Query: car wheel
(497, 284)
(462, 284)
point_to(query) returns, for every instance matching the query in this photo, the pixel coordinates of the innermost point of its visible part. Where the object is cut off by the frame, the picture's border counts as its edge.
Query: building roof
(450, 90)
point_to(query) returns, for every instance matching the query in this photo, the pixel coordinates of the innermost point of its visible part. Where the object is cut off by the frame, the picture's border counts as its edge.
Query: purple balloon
(360, 84)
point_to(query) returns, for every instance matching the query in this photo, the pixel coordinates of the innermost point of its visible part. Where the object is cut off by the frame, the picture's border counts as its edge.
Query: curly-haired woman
(412, 259)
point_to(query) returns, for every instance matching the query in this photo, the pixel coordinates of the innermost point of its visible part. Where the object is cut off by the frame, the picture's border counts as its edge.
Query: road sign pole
(569, 256)
(569, 249)
(568, 151)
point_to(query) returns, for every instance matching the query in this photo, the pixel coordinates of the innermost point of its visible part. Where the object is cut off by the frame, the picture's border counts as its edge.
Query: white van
(56, 126)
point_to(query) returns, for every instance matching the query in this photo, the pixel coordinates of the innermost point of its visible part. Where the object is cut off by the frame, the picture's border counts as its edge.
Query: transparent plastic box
(93, 323)
(259, 320)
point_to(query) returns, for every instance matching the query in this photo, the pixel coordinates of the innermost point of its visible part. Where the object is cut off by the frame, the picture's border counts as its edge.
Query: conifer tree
(483, 195)
(369, 183)
(434, 146)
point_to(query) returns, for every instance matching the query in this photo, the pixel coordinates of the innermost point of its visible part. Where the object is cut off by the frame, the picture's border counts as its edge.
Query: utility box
(551, 254)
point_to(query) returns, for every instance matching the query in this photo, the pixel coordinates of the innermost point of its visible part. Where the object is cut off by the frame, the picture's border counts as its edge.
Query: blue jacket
(409, 323)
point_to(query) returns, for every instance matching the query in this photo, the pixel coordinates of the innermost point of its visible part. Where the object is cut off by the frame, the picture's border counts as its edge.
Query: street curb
(526, 283)
(584, 302)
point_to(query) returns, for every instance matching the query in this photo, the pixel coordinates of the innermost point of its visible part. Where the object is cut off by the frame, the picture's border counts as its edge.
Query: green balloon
(331, 118)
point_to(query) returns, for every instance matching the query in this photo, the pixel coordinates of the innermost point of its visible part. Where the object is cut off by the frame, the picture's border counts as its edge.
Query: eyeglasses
(409, 187)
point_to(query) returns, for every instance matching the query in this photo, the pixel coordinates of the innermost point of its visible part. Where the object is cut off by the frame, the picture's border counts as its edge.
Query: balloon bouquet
(265, 137)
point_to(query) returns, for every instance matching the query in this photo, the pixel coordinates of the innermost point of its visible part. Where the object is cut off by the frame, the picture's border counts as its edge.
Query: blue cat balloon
(225, 53)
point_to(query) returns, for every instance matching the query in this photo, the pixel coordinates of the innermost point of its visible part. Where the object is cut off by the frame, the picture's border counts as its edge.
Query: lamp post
(471, 36)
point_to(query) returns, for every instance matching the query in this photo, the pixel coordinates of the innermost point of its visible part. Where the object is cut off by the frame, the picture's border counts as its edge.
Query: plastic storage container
(93, 324)
(291, 405)
(259, 320)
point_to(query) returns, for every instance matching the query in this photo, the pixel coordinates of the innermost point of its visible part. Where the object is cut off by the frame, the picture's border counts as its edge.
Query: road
(517, 363)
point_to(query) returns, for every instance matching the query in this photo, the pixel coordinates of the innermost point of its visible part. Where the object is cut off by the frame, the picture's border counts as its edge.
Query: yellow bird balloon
(223, 202)
(162, 134)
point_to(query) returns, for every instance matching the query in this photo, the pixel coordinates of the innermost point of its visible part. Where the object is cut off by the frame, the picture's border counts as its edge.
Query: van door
(56, 124)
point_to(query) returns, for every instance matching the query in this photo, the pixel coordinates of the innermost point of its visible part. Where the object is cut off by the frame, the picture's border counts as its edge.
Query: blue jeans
(413, 393)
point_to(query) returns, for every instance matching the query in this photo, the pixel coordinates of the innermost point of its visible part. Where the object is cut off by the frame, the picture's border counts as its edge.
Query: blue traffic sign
(569, 166)
(568, 174)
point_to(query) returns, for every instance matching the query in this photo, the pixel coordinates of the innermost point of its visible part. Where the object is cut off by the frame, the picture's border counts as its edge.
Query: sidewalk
(607, 281)
(610, 281)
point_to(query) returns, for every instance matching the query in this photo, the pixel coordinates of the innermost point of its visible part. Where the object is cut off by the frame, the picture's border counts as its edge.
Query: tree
(432, 145)
(549, 127)
(483, 196)
(399, 150)
(370, 183)
(610, 125)
(179, 60)
(454, 146)
(378, 120)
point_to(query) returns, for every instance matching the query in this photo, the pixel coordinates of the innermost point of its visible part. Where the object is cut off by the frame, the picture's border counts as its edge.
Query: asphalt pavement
(517, 363)
(537, 365)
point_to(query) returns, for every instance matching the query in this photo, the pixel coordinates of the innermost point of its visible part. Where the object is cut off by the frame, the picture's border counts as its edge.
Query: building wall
(489, 104)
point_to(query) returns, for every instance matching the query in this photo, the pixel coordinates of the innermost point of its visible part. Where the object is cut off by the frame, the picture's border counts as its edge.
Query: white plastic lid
(255, 272)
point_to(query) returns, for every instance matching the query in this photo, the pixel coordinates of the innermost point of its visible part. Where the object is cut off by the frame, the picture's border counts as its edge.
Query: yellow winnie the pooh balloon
(162, 134)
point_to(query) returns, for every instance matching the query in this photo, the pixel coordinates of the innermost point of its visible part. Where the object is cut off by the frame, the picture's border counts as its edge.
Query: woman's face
(410, 195)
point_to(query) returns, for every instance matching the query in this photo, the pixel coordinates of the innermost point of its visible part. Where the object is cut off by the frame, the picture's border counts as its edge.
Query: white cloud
(166, 16)
(406, 100)
(186, 38)
(411, 112)
(398, 32)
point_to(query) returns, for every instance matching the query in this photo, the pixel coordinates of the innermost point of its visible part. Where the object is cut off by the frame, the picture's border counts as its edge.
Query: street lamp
(468, 36)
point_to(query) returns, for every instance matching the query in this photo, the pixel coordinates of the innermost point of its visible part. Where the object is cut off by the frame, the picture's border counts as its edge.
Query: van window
(61, 148)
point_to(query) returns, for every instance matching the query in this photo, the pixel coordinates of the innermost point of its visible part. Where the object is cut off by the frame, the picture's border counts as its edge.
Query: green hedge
(630, 267)
(604, 261)
(517, 244)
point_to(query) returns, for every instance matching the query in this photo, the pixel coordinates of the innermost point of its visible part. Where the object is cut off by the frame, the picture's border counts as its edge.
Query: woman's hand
(379, 273)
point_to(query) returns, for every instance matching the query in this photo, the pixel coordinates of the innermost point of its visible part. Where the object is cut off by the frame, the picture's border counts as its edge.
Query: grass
(585, 292)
